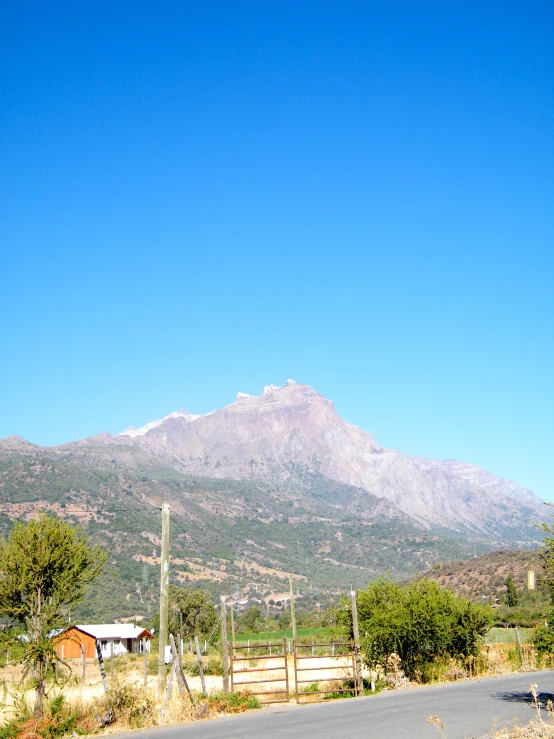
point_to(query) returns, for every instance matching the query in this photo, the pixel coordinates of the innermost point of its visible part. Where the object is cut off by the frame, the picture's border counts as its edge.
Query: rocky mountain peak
(291, 429)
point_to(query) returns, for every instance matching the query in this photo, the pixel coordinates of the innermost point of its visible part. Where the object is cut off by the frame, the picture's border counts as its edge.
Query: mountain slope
(264, 487)
(486, 575)
(292, 430)
(224, 533)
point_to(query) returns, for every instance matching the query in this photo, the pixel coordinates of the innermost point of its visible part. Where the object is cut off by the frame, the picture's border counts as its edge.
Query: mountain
(269, 485)
(291, 431)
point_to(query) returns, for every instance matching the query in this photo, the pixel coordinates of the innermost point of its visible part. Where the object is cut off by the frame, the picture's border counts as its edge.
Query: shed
(114, 640)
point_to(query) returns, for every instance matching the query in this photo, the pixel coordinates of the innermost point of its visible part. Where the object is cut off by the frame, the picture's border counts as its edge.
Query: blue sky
(202, 198)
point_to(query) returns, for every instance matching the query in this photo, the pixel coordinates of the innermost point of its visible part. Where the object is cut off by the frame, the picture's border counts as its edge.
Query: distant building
(114, 640)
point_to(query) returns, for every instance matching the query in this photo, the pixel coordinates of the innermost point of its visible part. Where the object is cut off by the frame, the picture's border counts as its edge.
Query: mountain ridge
(261, 437)
(290, 431)
(260, 489)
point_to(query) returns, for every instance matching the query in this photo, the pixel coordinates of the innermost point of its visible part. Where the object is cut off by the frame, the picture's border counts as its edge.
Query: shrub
(211, 667)
(129, 704)
(57, 722)
(544, 635)
(234, 702)
(419, 622)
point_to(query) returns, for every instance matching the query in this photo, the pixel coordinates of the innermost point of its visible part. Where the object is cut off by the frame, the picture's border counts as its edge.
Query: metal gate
(241, 671)
(343, 662)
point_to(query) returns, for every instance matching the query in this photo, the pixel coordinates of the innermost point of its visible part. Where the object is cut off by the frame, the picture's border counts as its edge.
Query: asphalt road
(466, 708)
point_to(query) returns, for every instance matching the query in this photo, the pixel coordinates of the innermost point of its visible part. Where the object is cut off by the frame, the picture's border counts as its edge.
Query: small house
(113, 639)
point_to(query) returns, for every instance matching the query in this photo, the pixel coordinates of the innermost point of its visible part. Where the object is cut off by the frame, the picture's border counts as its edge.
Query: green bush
(234, 702)
(543, 639)
(58, 721)
(420, 622)
(211, 667)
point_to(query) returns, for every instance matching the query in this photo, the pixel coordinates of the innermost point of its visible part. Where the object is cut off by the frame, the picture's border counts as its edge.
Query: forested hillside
(225, 534)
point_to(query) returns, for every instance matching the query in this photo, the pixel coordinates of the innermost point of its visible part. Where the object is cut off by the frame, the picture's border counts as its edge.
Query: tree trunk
(40, 688)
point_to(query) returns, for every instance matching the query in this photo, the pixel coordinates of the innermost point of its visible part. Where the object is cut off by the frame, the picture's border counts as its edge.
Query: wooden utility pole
(356, 632)
(292, 614)
(164, 599)
(224, 645)
(144, 665)
(232, 625)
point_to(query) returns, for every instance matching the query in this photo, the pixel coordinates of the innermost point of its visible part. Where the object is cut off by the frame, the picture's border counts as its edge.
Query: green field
(321, 634)
(493, 636)
(498, 635)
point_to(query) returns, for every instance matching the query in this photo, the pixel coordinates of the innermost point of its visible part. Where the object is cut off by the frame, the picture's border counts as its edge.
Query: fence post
(200, 668)
(169, 686)
(181, 678)
(144, 667)
(84, 660)
(519, 645)
(101, 666)
(224, 645)
(287, 673)
(355, 629)
(295, 659)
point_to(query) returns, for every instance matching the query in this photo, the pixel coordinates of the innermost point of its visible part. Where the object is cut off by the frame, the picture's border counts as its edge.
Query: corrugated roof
(115, 631)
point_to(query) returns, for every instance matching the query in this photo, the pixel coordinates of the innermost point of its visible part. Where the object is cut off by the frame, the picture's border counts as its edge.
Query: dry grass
(129, 704)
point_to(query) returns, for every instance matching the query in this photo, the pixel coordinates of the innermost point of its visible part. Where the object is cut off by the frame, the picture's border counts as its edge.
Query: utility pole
(356, 631)
(292, 614)
(164, 600)
(144, 665)
(224, 645)
(232, 624)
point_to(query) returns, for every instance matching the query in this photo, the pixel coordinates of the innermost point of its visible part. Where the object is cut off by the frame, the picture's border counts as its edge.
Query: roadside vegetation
(411, 633)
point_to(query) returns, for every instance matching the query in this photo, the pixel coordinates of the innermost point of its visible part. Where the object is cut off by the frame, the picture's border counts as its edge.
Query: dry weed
(537, 728)
(435, 720)
(394, 675)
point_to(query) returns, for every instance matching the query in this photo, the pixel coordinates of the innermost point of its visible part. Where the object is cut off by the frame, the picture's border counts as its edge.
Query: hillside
(267, 486)
(486, 575)
(225, 534)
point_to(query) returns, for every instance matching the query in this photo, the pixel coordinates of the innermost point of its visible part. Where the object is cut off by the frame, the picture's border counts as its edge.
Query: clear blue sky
(201, 198)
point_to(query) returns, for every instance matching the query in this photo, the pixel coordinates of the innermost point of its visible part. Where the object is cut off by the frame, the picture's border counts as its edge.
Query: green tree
(191, 612)
(252, 620)
(46, 566)
(543, 639)
(547, 554)
(511, 592)
(284, 621)
(419, 622)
